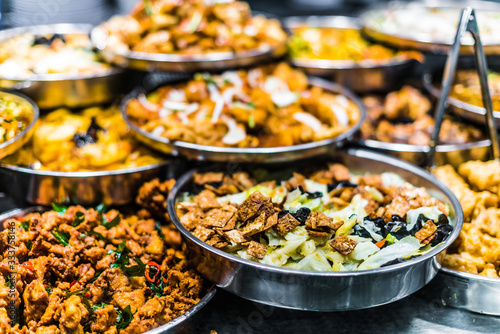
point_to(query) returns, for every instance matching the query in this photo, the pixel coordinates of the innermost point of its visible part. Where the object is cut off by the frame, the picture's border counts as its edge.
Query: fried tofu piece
(399, 206)
(203, 178)
(428, 230)
(218, 217)
(286, 224)
(203, 233)
(256, 249)
(251, 206)
(343, 244)
(235, 236)
(207, 200)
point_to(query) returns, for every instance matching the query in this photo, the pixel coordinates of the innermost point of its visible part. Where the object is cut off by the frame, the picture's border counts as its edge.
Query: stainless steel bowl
(461, 108)
(466, 291)
(145, 61)
(404, 39)
(249, 155)
(181, 324)
(113, 187)
(453, 154)
(64, 90)
(18, 141)
(325, 291)
(364, 76)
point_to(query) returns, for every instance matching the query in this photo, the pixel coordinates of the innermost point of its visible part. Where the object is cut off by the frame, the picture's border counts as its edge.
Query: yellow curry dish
(477, 186)
(191, 28)
(94, 139)
(341, 44)
(69, 54)
(466, 88)
(269, 106)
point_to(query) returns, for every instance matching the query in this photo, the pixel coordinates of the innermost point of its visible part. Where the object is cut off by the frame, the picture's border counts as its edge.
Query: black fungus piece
(388, 228)
(341, 184)
(419, 224)
(88, 137)
(396, 261)
(399, 230)
(442, 234)
(398, 218)
(282, 213)
(378, 221)
(362, 232)
(301, 215)
(43, 40)
(316, 194)
(442, 220)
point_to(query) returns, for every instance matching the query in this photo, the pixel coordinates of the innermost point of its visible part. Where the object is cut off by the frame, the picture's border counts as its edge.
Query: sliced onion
(174, 105)
(253, 76)
(141, 98)
(308, 119)
(235, 134)
(284, 98)
(273, 84)
(343, 101)
(177, 95)
(158, 130)
(233, 77)
(341, 115)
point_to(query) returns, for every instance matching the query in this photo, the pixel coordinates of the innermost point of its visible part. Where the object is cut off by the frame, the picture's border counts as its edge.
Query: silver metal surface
(250, 155)
(404, 39)
(180, 63)
(64, 90)
(463, 109)
(325, 291)
(468, 291)
(114, 187)
(446, 154)
(468, 23)
(181, 324)
(10, 146)
(363, 76)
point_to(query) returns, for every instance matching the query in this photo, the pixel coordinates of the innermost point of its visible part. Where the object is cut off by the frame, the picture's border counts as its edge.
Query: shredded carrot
(381, 243)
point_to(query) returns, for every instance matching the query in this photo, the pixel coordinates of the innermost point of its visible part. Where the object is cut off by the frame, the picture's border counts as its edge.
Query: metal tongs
(468, 22)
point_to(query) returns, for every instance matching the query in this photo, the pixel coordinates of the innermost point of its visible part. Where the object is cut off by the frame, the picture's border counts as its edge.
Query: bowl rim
(35, 115)
(441, 148)
(56, 28)
(313, 81)
(359, 153)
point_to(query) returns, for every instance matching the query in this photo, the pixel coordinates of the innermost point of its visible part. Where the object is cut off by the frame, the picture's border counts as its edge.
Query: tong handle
(468, 23)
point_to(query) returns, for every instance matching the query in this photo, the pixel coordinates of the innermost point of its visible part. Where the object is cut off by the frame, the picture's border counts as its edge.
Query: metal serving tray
(363, 76)
(325, 291)
(181, 324)
(18, 141)
(145, 61)
(64, 90)
(113, 187)
(249, 155)
(404, 39)
(461, 108)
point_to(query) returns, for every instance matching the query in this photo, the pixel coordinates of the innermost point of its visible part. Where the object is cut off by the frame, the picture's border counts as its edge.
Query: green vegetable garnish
(61, 209)
(115, 221)
(251, 121)
(29, 244)
(101, 208)
(61, 236)
(26, 225)
(391, 239)
(158, 228)
(80, 218)
(124, 318)
(98, 306)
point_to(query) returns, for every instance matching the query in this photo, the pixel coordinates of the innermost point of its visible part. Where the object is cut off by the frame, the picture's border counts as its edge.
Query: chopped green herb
(61, 209)
(148, 8)
(391, 239)
(29, 244)
(26, 225)
(157, 289)
(80, 292)
(135, 270)
(80, 218)
(61, 236)
(101, 208)
(251, 105)
(96, 276)
(98, 306)
(158, 228)
(8, 283)
(251, 121)
(124, 318)
(97, 234)
(115, 221)
(48, 289)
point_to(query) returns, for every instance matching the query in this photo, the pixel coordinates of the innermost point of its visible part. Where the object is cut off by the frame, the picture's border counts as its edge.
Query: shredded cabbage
(401, 249)
(392, 179)
(431, 212)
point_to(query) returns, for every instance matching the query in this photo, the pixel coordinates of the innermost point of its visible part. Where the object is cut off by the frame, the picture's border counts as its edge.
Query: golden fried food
(15, 116)
(265, 106)
(77, 270)
(328, 220)
(466, 88)
(93, 139)
(404, 117)
(477, 249)
(192, 28)
(70, 54)
(329, 43)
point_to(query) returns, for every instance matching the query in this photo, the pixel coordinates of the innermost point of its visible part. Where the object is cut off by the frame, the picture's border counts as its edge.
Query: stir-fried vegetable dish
(193, 27)
(329, 220)
(405, 116)
(70, 54)
(77, 270)
(15, 116)
(339, 44)
(93, 139)
(268, 106)
(477, 185)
